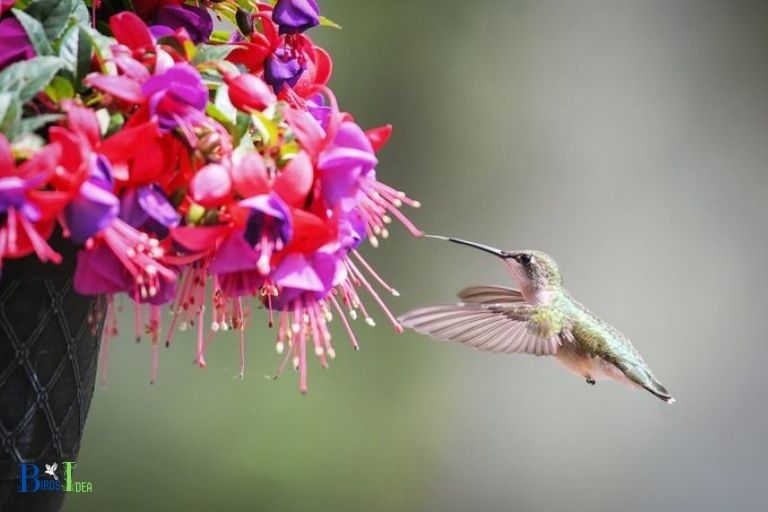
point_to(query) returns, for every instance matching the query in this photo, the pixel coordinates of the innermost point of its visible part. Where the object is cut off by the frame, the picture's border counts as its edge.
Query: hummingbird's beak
(487, 248)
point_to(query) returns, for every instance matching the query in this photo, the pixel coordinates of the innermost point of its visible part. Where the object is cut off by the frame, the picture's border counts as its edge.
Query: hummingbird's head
(534, 271)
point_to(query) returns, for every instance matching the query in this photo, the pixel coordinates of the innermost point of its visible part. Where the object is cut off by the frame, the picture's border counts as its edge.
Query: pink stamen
(375, 275)
(242, 336)
(398, 328)
(345, 322)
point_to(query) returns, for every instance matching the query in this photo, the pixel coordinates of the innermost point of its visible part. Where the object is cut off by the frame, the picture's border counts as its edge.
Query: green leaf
(32, 124)
(213, 112)
(98, 41)
(26, 78)
(220, 36)
(81, 13)
(211, 52)
(266, 128)
(10, 113)
(84, 51)
(242, 126)
(67, 48)
(60, 89)
(53, 14)
(35, 32)
(224, 105)
(325, 22)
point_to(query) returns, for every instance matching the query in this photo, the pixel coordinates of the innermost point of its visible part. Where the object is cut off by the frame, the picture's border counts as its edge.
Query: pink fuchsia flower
(195, 20)
(177, 96)
(211, 186)
(345, 162)
(295, 16)
(121, 258)
(235, 266)
(14, 43)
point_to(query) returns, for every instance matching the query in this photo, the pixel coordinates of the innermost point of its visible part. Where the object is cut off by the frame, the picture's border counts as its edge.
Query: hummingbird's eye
(525, 259)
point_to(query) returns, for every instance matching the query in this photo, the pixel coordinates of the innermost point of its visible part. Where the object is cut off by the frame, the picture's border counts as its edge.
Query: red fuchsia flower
(14, 43)
(5, 5)
(28, 210)
(295, 16)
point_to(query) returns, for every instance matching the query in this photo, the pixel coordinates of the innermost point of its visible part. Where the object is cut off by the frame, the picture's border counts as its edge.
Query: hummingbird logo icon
(50, 469)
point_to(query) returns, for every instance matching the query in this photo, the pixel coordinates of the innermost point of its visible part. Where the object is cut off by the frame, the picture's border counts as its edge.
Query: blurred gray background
(626, 138)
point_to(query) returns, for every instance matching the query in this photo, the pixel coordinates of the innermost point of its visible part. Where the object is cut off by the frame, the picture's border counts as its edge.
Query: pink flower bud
(249, 92)
(211, 186)
(249, 176)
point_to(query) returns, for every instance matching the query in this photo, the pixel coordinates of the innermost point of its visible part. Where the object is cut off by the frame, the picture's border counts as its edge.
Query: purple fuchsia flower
(177, 97)
(319, 110)
(345, 162)
(304, 298)
(282, 68)
(95, 206)
(235, 266)
(268, 229)
(14, 42)
(296, 16)
(195, 20)
(147, 207)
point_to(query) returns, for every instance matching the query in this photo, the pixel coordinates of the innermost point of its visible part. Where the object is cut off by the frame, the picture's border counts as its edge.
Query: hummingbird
(540, 317)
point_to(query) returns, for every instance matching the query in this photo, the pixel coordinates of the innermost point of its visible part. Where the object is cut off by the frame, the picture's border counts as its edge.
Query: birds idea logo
(50, 478)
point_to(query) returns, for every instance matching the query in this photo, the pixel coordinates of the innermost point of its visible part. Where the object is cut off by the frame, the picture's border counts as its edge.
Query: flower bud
(249, 92)
(211, 186)
(294, 16)
(244, 21)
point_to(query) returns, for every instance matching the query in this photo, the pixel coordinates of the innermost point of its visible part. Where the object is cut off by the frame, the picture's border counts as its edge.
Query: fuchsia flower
(268, 228)
(195, 20)
(167, 211)
(28, 211)
(177, 96)
(295, 16)
(283, 68)
(94, 206)
(147, 207)
(345, 162)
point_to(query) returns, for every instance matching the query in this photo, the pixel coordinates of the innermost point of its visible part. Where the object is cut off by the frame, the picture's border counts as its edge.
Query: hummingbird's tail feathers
(484, 294)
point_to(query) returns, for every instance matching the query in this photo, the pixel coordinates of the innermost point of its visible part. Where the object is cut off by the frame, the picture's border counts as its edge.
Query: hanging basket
(49, 342)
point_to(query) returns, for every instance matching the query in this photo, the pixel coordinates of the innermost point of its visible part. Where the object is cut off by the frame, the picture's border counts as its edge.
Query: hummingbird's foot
(590, 380)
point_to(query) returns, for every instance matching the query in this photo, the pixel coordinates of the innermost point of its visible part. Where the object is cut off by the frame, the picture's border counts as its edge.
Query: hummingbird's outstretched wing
(519, 328)
(487, 294)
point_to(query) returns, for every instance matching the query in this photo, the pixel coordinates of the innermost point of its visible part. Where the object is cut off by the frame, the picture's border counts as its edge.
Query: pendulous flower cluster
(207, 171)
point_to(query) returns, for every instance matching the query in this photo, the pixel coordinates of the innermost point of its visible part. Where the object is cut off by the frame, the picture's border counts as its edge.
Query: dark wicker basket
(49, 343)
